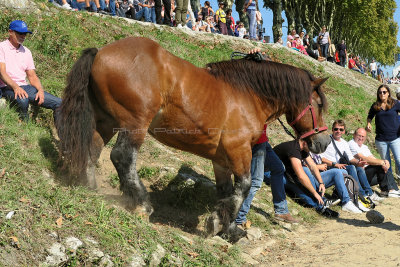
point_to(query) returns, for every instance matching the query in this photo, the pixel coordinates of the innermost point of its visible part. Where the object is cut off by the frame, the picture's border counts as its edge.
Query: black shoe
(89, 9)
(327, 212)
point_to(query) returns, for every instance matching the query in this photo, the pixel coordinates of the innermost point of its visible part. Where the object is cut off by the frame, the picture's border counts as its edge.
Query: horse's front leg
(123, 156)
(223, 218)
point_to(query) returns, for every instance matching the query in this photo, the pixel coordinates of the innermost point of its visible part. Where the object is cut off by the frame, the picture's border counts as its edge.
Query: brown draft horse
(134, 86)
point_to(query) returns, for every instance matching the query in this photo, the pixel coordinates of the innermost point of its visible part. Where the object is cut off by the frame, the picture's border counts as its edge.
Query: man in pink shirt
(16, 64)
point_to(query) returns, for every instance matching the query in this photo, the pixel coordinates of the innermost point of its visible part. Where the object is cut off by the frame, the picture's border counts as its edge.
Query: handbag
(344, 159)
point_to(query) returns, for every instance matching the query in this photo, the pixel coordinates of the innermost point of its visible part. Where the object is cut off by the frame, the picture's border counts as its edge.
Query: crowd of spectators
(181, 15)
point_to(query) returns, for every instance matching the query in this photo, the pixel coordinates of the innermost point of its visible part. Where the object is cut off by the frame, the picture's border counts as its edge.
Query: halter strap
(315, 129)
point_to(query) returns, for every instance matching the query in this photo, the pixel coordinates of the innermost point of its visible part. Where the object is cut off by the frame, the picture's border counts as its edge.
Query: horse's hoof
(213, 226)
(234, 233)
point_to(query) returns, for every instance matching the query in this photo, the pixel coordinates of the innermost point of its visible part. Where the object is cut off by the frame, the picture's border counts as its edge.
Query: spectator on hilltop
(342, 53)
(16, 65)
(180, 12)
(324, 41)
(206, 10)
(211, 23)
(250, 9)
(163, 16)
(241, 30)
(289, 42)
(230, 22)
(220, 18)
(352, 64)
(373, 68)
(125, 9)
(201, 26)
(142, 9)
(379, 71)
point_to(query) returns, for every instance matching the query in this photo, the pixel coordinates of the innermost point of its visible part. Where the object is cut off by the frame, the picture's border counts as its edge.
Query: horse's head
(309, 123)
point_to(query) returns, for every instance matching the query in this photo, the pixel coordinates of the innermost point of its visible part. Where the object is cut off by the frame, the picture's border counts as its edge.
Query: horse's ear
(318, 82)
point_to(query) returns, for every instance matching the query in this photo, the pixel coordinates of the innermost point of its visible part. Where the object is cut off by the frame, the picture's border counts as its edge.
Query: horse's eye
(320, 106)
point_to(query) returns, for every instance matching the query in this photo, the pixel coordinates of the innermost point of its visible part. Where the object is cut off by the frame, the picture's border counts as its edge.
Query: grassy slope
(29, 156)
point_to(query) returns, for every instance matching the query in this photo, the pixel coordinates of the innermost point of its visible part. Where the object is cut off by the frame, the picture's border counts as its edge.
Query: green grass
(32, 187)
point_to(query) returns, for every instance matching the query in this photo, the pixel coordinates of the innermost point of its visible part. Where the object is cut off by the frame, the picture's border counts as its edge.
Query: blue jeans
(251, 14)
(324, 49)
(263, 155)
(111, 6)
(332, 177)
(143, 12)
(50, 101)
(153, 14)
(302, 195)
(384, 148)
(359, 175)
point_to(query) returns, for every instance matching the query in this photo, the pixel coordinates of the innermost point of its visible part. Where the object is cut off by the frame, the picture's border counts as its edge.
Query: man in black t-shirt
(292, 154)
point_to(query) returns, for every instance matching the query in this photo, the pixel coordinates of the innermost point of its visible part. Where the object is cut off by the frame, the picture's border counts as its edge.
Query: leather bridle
(315, 129)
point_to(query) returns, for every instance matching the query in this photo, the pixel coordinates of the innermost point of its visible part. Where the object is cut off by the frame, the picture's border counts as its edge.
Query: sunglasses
(338, 129)
(383, 92)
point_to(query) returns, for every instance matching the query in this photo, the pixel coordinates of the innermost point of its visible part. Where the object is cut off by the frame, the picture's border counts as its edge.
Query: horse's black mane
(280, 84)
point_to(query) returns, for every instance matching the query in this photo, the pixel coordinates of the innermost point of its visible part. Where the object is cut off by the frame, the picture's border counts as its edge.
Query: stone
(19, 4)
(53, 235)
(91, 241)
(375, 216)
(217, 240)
(106, 262)
(95, 254)
(249, 260)
(254, 233)
(3, 102)
(56, 255)
(73, 243)
(136, 261)
(157, 255)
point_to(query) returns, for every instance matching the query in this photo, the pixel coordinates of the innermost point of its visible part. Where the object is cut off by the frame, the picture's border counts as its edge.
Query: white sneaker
(374, 197)
(179, 26)
(66, 6)
(394, 194)
(361, 206)
(350, 207)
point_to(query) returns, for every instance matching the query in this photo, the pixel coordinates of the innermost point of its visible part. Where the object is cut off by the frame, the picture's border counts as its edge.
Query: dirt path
(349, 240)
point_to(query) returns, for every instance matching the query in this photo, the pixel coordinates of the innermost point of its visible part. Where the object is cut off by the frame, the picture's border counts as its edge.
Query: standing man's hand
(20, 93)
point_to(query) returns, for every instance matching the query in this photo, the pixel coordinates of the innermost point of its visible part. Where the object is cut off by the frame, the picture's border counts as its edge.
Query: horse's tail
(75, 120)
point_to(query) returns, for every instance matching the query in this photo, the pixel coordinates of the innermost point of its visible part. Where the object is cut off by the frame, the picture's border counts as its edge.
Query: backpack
(352, 188)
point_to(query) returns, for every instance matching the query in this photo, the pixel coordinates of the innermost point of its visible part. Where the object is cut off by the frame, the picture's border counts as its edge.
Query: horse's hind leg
(123, 156)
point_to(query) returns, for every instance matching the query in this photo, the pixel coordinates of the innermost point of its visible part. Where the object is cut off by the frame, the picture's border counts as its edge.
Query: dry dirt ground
(349, 240)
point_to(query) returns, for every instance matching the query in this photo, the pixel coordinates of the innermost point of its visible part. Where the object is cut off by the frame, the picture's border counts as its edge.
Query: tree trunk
(277, 20)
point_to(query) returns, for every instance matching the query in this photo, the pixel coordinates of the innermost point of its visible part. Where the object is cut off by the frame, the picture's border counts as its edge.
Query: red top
(263, 138)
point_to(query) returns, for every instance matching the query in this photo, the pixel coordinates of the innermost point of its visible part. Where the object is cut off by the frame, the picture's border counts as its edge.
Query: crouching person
(297, 182)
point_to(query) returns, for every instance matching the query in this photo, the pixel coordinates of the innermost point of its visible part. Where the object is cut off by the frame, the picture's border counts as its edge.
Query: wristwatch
(333, 164)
